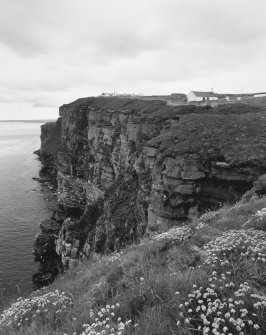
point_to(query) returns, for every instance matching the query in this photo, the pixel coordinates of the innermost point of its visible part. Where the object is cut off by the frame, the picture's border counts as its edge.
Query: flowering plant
(223, 308)
(257, 221)
(105, 322)
(37, 307)
(236, 245)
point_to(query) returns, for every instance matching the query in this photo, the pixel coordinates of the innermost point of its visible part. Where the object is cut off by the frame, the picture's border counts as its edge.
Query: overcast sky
(55, 51)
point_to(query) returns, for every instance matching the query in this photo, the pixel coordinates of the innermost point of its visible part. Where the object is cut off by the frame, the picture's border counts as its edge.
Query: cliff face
(201, 161)
(100, 145)
(50, 143)
(125, 166)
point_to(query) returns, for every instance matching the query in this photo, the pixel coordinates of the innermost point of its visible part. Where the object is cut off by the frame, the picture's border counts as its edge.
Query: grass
(234, 139)
(206, 278)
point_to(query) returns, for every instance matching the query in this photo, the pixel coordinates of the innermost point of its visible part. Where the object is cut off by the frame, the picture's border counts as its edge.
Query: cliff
(126, 167)
(50, 143)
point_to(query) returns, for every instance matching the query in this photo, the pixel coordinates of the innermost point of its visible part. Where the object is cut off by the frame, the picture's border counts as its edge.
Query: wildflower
(25, 310)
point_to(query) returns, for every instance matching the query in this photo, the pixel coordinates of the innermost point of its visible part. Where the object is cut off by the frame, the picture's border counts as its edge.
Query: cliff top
(237, 139)
(155, 108)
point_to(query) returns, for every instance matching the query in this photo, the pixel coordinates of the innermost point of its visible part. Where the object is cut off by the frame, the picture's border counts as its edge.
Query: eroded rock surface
(50, 143)
(50, 264)
(126, 166)
(201, 161)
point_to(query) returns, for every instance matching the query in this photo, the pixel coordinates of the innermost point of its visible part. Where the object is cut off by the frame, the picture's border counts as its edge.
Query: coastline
(22, 206)
(162, 164)
(128, 229)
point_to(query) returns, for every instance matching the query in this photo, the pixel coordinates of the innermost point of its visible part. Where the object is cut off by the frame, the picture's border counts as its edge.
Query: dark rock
(260, 185)
(42, 179)
(50, 226)
(42, 244)
(42, 279)
(60, 216)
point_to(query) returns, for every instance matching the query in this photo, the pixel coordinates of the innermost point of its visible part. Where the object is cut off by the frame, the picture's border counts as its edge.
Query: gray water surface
(22, 206)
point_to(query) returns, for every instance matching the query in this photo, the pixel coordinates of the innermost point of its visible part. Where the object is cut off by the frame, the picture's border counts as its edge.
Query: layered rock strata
(126, 166)
(50, 143)
(202, 161)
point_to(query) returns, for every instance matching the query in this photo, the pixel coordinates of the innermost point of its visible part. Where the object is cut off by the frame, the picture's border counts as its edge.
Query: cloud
(57, 50)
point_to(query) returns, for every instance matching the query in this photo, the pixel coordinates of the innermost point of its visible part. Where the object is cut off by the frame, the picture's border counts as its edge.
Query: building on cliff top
(258, 95)
(201, 96)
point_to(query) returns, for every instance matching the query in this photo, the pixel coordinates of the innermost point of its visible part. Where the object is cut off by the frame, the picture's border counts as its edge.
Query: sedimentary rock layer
(126, 166)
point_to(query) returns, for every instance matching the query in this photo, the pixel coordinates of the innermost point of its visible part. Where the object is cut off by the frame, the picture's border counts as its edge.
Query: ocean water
(22, 206)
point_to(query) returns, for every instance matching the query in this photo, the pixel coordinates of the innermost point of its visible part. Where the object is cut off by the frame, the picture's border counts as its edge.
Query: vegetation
(234, 139)
(208, 277)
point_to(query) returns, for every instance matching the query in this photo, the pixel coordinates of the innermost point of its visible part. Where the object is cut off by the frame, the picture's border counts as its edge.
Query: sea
(24, 203)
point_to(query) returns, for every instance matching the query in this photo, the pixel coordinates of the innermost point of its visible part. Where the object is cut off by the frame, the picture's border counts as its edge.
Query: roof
(204, 94)
(260, 93)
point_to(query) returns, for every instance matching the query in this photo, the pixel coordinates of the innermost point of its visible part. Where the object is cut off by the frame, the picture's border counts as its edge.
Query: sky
(55, 51)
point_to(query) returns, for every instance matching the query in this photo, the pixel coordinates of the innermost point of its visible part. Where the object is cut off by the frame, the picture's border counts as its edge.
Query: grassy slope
(149, 281)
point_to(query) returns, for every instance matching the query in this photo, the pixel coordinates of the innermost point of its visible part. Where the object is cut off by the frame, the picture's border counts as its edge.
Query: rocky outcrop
(126, 166)
(50, 263)
(96, 170)
(50, 143)
(203, 161)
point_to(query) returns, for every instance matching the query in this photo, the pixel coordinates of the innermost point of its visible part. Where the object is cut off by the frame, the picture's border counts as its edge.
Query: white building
(201, 96)
(257, 95)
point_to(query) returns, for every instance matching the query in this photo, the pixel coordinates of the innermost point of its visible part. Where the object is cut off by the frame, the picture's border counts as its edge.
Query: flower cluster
(261, 214)
(24, 311)
(257, 221)
(223, 308)
(115, 256)
(236, 245)
(179, 234)
(105, 322)
(209, 215)
(202, 225)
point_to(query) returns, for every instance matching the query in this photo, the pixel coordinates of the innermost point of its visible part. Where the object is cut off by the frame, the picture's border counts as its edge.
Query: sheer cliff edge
(125, 167)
